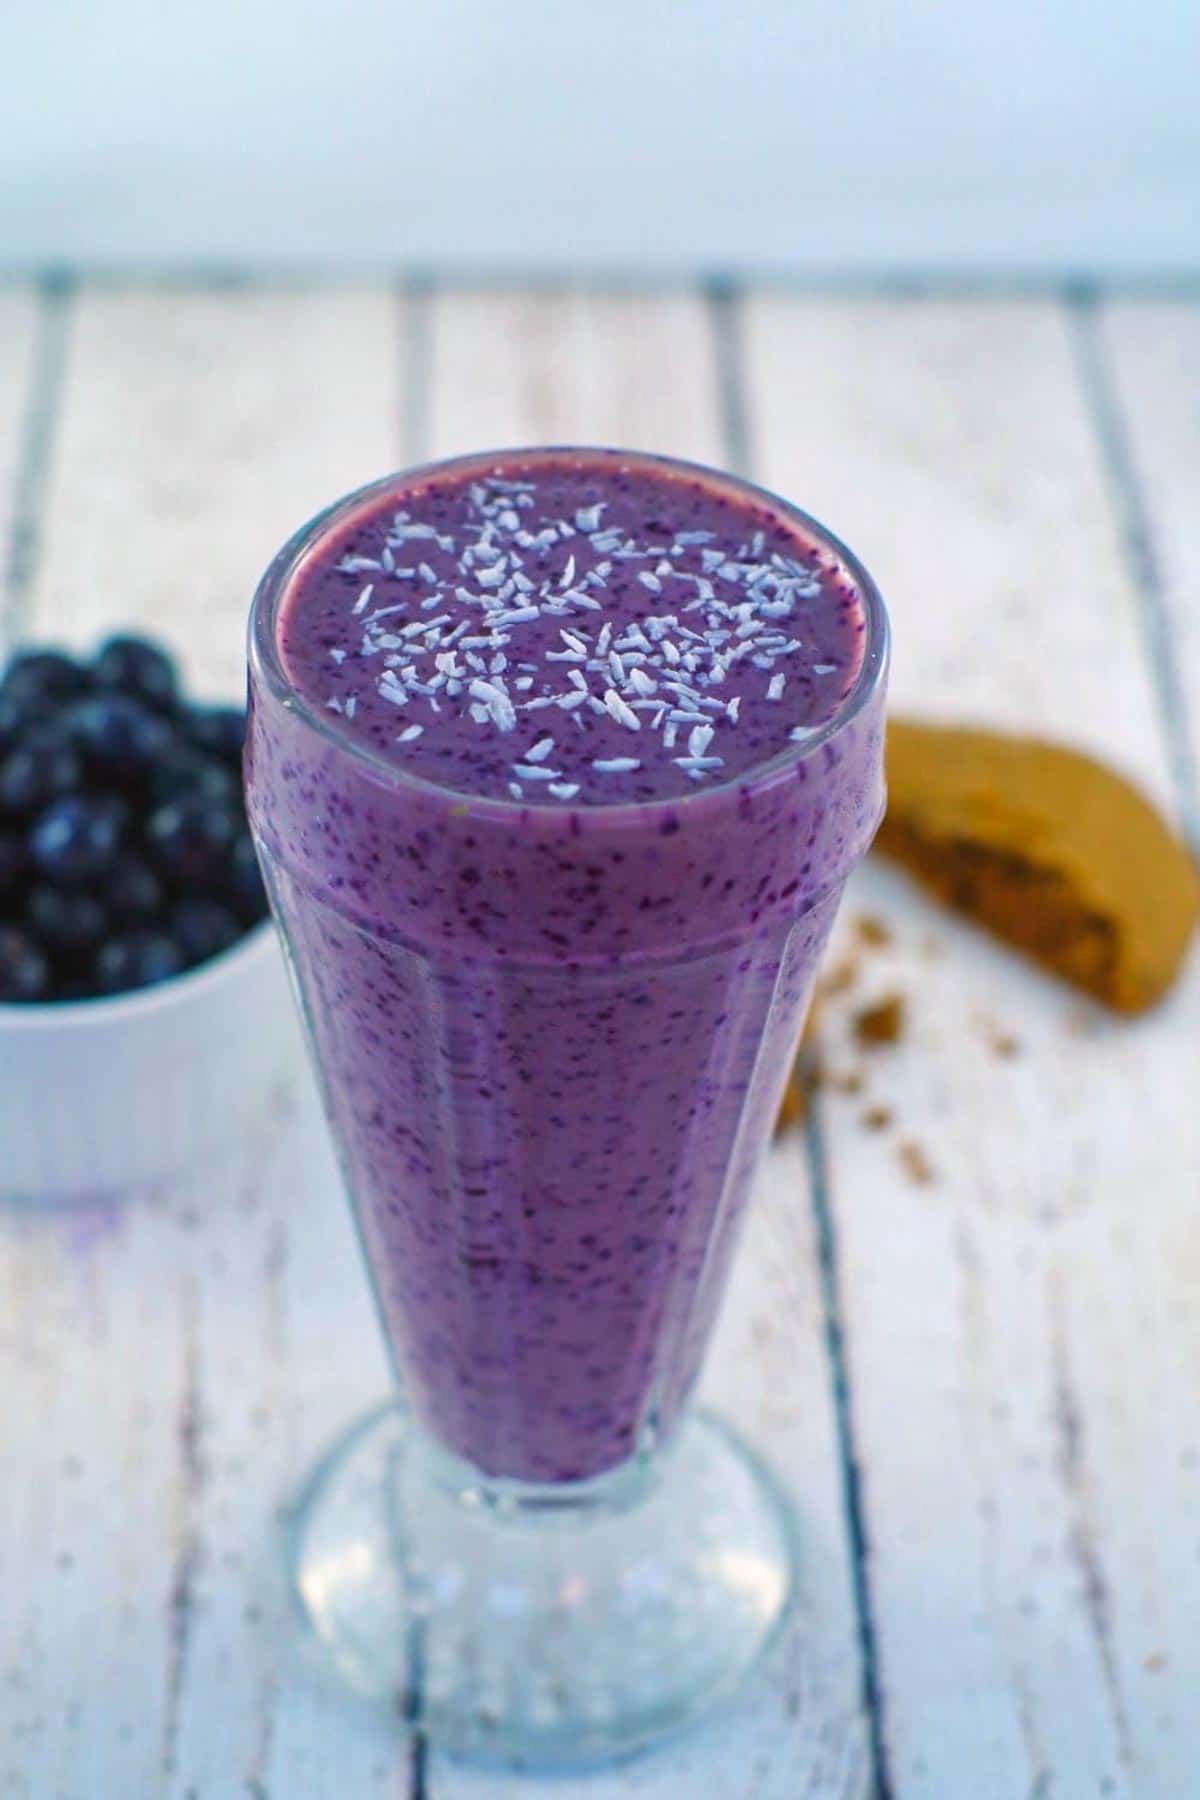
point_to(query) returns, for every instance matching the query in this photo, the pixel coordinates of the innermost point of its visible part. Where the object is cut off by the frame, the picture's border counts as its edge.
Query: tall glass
(551, 1046)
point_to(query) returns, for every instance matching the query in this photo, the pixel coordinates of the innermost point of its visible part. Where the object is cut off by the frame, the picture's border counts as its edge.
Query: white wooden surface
(981, 1390)
(18, 378)
(1021, 1353)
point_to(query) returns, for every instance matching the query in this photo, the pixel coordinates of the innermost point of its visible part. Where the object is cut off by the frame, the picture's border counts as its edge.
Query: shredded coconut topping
(662, 674)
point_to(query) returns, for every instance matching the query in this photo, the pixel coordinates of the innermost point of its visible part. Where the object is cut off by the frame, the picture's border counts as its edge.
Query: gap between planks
(1143, 560)
(34, 453)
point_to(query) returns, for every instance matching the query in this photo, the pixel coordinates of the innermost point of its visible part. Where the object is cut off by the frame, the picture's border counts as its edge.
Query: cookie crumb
(882, 1023)
(916, 1164)
(877, 1118)
(1155, 1661)
(1004, 1044)
(793, 1108)
(840, 978)
(847, 1081)
(873, 931)
(805, 1075)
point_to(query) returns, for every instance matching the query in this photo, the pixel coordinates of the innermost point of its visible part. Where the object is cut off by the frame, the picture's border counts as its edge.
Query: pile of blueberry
(124, 853)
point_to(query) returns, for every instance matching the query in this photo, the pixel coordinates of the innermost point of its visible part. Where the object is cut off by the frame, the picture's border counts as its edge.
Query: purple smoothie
(557, 763)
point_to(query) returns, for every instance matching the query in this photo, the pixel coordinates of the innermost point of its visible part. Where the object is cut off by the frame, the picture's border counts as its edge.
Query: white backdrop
(837, 135)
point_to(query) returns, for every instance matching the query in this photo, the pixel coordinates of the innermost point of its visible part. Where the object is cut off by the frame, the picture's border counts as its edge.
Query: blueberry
(76, 839)
(139, 959)
(38, 771)
(24, 971)
(246, 882)
(71, 983)
(62, 920)
(190, 840)
(16, 718)
(203, 928)
(184, 771)
(218, 730)
(117, 735)
(132, 891)
(14, 860)
(135, 666)
(42, 676)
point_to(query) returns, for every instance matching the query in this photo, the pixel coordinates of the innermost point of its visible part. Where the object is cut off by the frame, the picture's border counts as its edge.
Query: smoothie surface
(567, 628)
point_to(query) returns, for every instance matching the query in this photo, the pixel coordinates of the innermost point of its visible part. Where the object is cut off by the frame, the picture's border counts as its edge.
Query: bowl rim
(29, 1017)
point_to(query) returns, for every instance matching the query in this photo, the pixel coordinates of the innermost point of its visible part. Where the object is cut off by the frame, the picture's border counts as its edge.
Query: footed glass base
(542, 1628)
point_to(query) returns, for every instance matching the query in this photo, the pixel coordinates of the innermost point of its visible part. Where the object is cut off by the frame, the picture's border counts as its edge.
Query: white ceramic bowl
(101, 1097)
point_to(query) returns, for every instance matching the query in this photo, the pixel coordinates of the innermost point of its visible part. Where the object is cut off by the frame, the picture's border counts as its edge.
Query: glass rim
(268, 672)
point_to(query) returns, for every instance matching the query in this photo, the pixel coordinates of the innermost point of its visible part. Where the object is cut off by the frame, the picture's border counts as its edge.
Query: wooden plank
(199, 428)
(572, 367)
(166, 1373)
(1150, 360)
(1009, 1319)
(1147, 366)
(93, 1377)
(18, 438)
(167, 1383)
(620, 368)
(291, 1354)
